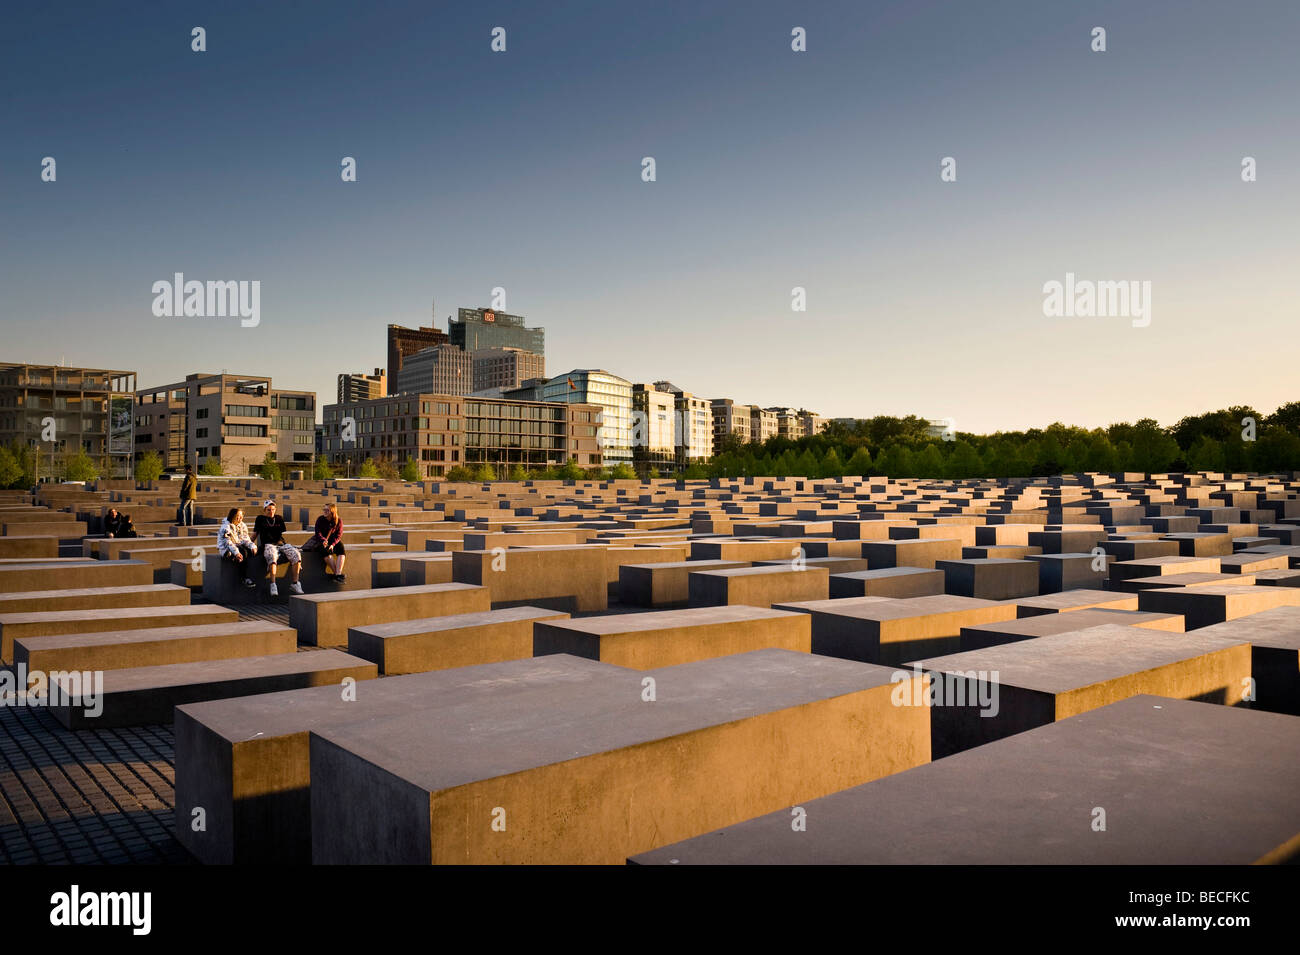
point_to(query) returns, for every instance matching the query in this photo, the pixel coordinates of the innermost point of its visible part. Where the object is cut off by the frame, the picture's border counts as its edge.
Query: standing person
(189, 491)
(268, 529)
(235, 545)
(329, 541)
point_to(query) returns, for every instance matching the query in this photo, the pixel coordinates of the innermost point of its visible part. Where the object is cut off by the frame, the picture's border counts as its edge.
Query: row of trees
(1238, 438)
(1231, 439)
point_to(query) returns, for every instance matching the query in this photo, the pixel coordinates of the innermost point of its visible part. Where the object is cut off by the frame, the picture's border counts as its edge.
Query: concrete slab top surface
(113, 613)
(385, 592)
(455, 621)
(296, 711)
(1052, 623)
(765, 570)
(1059, 663)
(893, 608)
(153, 635)
(691, 564)
(1168, 772)
(1073, 598)
(92, 592)
(1278, 628)
(484, 740)
(670, 619)
(234, 668)
(884, 572)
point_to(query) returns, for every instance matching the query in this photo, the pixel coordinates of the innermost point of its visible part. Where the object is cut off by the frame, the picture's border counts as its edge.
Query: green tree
(518, 473)
(368, 469)
(929, 463)
(805, 465)
(1287, 417)
(653, 474)
(695, 471)
(460, 473)
(831, 465)
(1205, 455)
(269, 471)
(570, 471)
(211, 466)
(387, 470)
(1277, 450)
(79, 467)
(410, 470)
(622, 472)
(322, 471)
(11, 470)
(859, 463)
(964, 462)
(485, 472)
(149, 467)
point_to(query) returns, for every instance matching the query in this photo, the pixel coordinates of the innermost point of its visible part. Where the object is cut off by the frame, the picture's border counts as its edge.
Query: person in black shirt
(268, 532)
(117, 524)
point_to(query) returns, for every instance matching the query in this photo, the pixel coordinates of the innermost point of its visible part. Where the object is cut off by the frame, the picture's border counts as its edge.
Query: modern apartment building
(612, 394)
(693, 424)
(653, 425)
(730, 418)
(763, 424)
(477, 328)
(441, 370)
(235, 419)
(84, 409)
(440, 432)
(505, 367)
(403, 341)
(362, 387)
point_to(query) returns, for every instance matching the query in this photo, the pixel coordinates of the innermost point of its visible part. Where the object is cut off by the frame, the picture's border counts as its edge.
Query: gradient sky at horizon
(775, 170)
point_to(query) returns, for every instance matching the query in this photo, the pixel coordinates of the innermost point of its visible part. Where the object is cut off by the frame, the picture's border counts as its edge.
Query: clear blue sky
(775, 170)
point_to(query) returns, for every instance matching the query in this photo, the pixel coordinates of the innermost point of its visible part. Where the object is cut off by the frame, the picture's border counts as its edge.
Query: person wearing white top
(235, 544)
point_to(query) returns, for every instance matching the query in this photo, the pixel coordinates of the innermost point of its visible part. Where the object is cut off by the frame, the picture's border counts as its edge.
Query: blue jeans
(187, 513)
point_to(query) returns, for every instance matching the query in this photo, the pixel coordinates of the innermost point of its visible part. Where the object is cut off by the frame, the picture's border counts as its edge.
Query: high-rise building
(505, 367)
(614, 396)
(653, 414)
(362, 387)
(693, 424)
(440, 432)
(235, 419)
(404, 341)
(58, 411)
(730, 418)
(476, 328)
(442, 370)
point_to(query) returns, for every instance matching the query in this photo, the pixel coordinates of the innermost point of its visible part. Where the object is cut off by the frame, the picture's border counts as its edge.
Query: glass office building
(609, 392)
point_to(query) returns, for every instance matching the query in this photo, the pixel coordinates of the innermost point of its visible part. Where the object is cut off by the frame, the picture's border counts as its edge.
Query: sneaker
(275, 591)
(249, 583)
(295, 588)
(339, 578)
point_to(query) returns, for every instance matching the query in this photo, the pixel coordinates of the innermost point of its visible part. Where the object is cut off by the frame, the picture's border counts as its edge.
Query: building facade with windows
(763, 424)
(730, 418)
(612, 394)
(654, 415)
(440, 431)
(477, 328)
(505, 368)
(362, 387)
(83, 409)
(234, 419)
(403, 341)
(442, 370)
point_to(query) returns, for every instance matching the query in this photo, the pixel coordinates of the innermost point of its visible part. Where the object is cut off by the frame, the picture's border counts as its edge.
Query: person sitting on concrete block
(328, 539)
(117, 524)
(268, 530)
(235, 545)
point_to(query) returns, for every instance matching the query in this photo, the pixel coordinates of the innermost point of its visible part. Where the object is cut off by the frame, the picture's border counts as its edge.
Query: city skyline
(775, 170)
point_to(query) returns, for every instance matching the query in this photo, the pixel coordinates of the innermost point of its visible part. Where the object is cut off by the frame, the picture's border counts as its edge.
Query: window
(200, 432)
(246, 411)
(201, 413)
